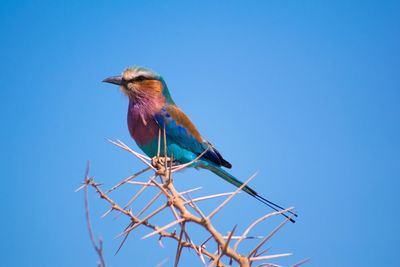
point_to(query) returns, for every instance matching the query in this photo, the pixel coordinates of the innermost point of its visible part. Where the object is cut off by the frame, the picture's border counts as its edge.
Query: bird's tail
(231, 179)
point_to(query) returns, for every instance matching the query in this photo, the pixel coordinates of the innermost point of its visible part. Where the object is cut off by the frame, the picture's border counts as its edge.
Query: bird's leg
(159, 142)
(168, 169)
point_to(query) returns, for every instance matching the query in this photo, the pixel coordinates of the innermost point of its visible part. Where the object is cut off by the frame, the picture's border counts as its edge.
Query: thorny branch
(181, 206)
(97, 248)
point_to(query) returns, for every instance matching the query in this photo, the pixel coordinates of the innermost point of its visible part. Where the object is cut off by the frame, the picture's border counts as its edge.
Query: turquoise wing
(181, 132)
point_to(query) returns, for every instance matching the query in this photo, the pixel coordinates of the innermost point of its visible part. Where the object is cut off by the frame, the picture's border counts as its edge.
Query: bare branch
(98, 249)
(185, 211)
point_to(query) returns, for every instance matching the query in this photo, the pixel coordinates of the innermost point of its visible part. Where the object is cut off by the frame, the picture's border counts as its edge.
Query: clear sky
(306, 92)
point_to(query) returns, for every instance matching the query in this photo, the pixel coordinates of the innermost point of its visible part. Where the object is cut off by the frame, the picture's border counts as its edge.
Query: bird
(151, 109)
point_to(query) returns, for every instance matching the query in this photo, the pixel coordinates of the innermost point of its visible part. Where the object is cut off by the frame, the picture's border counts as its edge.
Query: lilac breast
(141, 125)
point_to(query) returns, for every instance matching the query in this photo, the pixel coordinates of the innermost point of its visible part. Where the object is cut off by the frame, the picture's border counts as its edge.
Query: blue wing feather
(180, 135)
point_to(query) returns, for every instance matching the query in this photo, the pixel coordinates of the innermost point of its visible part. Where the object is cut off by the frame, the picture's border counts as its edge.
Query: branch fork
(184, 210)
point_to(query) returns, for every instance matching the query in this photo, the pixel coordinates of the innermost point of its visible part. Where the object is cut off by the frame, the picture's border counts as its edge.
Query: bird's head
(137, 82)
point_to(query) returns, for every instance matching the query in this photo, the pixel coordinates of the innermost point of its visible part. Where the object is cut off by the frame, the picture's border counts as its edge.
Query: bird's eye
(140, 78)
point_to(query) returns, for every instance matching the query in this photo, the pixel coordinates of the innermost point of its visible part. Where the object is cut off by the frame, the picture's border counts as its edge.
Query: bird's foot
(162, 164)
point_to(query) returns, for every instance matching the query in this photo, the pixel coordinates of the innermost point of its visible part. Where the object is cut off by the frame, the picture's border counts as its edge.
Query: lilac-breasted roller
(152, 109)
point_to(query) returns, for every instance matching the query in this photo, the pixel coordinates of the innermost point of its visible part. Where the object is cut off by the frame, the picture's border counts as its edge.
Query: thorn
(163, 228)
(230, 197)
(270, 257)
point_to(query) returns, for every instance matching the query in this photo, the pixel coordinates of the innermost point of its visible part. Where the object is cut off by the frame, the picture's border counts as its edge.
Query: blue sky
(306, 92)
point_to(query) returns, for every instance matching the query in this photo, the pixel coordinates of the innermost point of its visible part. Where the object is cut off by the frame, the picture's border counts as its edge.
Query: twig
(123, 240)
(225, 246)
(99, 248)
(144, 221)
(184, 209)
(127, 179)
(301, 262)
(209, 197)
(230, 197)
(140, 191)
(246, 232)
(270, 257)
(183, 166)
(163, 228)
(179, 248)
(138, 155)
(190, 190)
(254, 251)
(149, 204)
(164, 261)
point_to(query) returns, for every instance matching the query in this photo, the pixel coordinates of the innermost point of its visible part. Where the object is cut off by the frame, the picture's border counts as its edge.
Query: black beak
(114, 80)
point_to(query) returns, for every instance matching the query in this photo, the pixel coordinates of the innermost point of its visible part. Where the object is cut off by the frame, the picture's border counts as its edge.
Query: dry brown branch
(184, 211)
(97, 248)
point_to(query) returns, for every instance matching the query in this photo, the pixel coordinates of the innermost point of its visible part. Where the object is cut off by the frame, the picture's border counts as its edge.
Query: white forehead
(133, 73)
